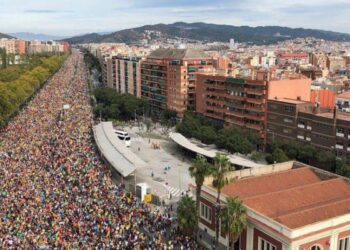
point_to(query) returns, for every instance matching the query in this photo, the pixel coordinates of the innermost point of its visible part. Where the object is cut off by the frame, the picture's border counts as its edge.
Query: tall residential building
(243, 102)
(232, 43)
(126, 75)
(20, 47)
(168, 78)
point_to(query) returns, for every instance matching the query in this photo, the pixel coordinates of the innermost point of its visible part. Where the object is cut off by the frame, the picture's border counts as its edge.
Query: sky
(73, 17)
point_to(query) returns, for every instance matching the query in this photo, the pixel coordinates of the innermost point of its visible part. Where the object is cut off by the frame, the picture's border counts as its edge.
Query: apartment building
(318, 59)
(287, 58)
(335, 63)
(126, 75)
(290, 206)
(243, 102)
(168, 78)
(303, 122)
(9, 45)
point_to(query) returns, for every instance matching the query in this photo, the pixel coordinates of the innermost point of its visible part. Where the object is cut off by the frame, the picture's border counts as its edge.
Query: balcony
(255, 101)
(235, 97)
(255, 109)
(255, 117)
(256, 82)
(308, 127)
(215, 116)
(216, 101)
(215, 86)
(255, 91)
(308, 138)
(301, 137)
(254, 126)
(301, 126)
(217, 109)
(235, 113)
(235, 122)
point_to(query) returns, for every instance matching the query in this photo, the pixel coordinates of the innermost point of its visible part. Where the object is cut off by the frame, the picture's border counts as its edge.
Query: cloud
(45, 11)
(80, 16)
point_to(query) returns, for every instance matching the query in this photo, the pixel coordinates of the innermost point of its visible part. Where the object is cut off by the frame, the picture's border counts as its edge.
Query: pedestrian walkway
(176, 192)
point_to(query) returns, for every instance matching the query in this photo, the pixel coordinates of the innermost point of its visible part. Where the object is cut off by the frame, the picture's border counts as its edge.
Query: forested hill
(212, 32)
(2, 35)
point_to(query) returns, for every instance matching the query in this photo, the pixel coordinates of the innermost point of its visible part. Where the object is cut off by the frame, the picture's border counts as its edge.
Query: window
(289, 108)
(344, 244)
(265, 245)
(315, 248)
(288, 120)
(205, 212)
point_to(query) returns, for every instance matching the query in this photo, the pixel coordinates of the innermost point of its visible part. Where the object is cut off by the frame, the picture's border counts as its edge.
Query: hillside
(2, 35)
(213, 32)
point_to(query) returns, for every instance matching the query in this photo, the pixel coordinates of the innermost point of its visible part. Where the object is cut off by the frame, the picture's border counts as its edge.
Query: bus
(123, 136)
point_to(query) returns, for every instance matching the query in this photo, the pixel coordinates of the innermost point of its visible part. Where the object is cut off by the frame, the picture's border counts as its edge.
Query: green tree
(187, 215)
(199, 169)
(342, 167)
(220, 169)
(233, 219)
(277, 156)
(3, 58)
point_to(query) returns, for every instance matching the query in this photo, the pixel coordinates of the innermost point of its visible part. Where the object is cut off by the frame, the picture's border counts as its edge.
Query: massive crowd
(54, 191)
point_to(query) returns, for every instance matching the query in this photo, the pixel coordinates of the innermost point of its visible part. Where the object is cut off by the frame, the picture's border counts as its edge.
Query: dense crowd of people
(54, 191)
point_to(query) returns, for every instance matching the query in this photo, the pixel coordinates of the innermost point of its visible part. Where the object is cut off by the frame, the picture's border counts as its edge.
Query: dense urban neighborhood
(185, 135)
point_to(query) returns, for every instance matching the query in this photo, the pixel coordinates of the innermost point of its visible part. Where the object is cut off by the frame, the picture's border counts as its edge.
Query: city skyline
(67, 18)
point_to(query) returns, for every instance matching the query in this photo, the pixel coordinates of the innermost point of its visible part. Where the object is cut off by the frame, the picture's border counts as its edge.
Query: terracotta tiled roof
(260, 185)
(345, 95)
(316, 214)
(294, 198)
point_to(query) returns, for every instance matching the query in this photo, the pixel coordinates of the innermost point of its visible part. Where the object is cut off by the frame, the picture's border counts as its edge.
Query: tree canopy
(233, 139)
(18, 83)
(111, 105)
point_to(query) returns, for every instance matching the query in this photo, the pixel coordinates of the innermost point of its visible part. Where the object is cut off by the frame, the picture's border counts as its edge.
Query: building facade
(243, 102)
(126, 75)
(290, 206)
(168, 78)
(303, 122)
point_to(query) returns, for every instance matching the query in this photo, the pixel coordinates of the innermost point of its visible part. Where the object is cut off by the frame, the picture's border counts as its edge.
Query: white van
(123, 136)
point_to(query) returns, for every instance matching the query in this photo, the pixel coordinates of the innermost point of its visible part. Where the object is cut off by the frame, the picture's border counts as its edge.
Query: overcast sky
(71, 17)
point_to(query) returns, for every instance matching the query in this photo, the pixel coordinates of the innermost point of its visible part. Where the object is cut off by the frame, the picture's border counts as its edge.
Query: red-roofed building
(284, 58)
(290, 206)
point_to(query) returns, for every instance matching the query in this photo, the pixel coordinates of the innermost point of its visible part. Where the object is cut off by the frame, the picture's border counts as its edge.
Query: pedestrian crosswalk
(176, 192)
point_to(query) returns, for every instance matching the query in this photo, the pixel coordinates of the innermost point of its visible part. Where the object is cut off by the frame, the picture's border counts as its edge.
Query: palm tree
(221, 167)
(199, 170)
(234, 219)
(186, 215)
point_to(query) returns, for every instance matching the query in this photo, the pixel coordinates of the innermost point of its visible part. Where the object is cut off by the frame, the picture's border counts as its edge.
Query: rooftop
(178, 54)
(296, 197)
(290, 101)
(344, 95)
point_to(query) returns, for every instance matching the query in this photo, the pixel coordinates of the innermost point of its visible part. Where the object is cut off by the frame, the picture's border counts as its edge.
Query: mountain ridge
(3, 35)
(212, 32)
